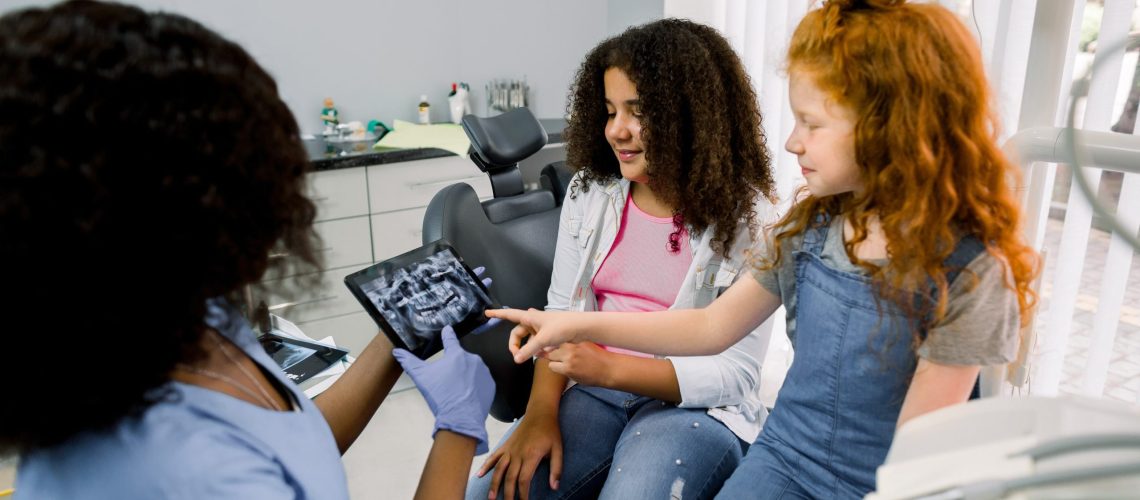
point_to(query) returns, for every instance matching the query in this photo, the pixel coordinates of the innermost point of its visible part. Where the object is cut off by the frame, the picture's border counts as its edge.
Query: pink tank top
(640, 273)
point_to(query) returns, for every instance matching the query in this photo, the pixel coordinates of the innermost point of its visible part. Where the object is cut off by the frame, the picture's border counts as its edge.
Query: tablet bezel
(356, 280)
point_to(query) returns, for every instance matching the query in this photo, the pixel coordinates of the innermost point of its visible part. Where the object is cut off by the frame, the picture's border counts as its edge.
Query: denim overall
(836, 413)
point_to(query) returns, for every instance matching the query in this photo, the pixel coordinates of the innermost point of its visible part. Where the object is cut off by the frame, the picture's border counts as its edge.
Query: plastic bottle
(425, 110)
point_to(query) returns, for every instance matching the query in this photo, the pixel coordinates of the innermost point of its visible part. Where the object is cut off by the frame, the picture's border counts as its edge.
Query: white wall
(376, 57)
(625, 13)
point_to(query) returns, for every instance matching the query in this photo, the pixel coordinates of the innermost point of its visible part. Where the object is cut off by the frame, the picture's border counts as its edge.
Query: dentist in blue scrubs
(148, 168)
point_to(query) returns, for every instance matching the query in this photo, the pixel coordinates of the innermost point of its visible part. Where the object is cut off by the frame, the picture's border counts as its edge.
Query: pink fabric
(640, 274)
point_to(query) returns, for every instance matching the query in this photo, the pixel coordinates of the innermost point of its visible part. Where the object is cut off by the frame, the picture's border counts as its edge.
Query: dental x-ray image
(286, 355)
(419, 293)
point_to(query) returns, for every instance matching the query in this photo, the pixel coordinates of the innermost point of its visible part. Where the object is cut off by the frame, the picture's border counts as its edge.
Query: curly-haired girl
(902, 268)
(665, 135)
(147, 169)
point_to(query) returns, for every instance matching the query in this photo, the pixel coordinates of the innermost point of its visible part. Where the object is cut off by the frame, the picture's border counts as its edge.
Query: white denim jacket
(727, 383)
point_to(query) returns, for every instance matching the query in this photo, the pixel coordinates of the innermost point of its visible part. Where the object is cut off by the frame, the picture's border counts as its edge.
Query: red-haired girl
(901, 267)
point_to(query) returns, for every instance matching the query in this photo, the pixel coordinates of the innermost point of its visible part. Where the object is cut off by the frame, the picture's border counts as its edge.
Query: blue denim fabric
(836, 412)
(620, 445)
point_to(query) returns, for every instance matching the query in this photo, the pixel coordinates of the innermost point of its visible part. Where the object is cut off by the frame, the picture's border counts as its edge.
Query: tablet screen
(413, 296)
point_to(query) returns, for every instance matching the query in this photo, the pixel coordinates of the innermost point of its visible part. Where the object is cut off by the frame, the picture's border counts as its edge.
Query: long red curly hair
(925, 143)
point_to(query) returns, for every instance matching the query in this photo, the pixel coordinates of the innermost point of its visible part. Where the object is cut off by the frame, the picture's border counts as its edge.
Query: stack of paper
(404, 135)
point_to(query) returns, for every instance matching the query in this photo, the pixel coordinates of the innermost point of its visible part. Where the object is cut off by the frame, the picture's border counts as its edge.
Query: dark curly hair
(705, 148)
(146, 165)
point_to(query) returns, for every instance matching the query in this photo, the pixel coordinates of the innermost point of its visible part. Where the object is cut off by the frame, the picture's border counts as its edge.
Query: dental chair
(513, 235)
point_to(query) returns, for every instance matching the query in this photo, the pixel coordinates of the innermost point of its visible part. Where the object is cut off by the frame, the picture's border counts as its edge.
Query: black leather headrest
(555, 177)
(506, 139)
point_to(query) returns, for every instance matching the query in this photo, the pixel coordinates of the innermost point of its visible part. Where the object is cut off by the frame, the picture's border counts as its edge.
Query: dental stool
(513, 235)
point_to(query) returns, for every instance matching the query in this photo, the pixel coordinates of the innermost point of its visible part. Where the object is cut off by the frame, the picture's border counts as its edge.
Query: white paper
(331, 374)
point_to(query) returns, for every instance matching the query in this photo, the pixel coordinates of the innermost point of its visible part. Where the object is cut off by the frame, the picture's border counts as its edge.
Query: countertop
(324, 160)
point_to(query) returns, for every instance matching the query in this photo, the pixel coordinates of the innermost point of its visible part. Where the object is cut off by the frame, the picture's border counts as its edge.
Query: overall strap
(967, 249)
(816, 234)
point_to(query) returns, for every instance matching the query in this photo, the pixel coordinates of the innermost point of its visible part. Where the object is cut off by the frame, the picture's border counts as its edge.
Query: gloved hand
(458, 389)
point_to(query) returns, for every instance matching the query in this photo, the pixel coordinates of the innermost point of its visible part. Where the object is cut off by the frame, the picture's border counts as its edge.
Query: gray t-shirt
(981, 323)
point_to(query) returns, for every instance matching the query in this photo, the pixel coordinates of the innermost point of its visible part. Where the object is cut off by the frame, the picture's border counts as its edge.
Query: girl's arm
(536, 438)
(980, 327)
(689, 332)
(936, 386)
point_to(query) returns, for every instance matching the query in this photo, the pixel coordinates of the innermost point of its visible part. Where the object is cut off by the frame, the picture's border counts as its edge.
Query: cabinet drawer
(330, 298)
(344, 243)
(339, 193)
(412, 184)
(397, 232)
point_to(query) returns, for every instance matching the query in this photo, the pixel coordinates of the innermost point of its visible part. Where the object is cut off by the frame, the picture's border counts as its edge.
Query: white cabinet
(411, 184)
(339, 193)
(397, 232)
(364, 215)
(343, 243)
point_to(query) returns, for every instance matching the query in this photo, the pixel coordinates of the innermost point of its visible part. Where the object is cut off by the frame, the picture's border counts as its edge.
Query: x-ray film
(414, 295)
(300, 360)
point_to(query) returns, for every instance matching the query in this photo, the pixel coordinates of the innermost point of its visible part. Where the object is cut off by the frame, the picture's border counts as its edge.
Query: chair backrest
(555, 178)
(513, 235)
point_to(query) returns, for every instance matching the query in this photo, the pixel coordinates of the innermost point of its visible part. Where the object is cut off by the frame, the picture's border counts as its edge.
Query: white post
(1078, 215)
(1051, 59)
(1116, 270)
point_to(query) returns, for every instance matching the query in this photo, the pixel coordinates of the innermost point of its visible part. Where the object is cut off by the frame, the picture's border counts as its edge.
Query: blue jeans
(620, 445)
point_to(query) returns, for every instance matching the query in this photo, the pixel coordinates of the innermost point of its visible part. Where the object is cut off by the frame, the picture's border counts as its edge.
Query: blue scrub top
(197, 444)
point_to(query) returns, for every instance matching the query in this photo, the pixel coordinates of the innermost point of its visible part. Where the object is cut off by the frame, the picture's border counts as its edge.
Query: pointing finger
(512, 315)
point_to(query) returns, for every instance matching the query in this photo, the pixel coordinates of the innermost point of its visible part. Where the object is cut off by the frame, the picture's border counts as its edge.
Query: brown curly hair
(705, 148)
(146, 165)
(925, 144)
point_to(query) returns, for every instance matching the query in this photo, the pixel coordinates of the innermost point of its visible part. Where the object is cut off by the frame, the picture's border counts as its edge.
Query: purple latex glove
(458, 389)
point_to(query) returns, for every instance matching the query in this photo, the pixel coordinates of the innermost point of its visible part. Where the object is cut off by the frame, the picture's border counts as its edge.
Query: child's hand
(585, 362)
(536, 438)
(539, 329)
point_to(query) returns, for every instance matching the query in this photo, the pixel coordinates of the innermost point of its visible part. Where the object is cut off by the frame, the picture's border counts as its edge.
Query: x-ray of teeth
(420, 299)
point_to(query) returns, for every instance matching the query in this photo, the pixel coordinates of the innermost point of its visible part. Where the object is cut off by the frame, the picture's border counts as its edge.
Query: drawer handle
(320, 199)
(287, 305)
(444, 181)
